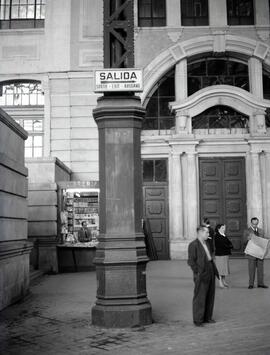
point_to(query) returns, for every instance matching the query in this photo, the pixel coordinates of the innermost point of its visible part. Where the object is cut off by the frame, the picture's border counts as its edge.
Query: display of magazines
(79, 206)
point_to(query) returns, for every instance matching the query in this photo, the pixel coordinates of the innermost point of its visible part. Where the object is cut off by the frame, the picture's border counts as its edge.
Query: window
(155, 170)
(158, 115)
(152, 13)
(24, 101)
(34, 145)
(22, 13)
(220, 117)
(240, 12)
(21, 94)
(194, 12)
(266, 85)
(267, 118)
(211, 71)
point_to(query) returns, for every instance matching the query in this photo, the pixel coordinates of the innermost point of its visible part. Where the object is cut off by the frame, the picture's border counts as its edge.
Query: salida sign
(118, 80)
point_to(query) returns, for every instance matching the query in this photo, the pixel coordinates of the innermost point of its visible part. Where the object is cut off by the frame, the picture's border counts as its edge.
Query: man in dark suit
(84, 233)
(253, 262)
(204, 271)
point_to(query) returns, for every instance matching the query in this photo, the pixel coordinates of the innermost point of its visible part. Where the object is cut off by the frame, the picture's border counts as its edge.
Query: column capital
(119, 112)
(191, 153)
(175, 154)
(255, 152)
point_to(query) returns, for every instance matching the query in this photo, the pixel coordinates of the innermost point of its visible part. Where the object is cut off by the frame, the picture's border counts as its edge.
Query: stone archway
(236, 98)
(219, 43)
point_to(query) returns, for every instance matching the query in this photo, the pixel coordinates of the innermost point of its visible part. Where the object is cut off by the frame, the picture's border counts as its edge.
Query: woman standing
(223, 247)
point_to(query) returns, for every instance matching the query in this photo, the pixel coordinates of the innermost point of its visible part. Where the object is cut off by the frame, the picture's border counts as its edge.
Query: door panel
(223, 195)
(156, 211)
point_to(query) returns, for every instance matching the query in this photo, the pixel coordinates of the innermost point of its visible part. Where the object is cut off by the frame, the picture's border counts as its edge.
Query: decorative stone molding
(261, 51)
(182, 122)
(219, 30)
(259, 117)
(177, 52)
(218, 42)
(226, 95)
(175, 35)
(263, 32)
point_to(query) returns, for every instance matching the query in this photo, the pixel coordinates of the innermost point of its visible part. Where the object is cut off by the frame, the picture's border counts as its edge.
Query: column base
(122, 316)
(179, 249)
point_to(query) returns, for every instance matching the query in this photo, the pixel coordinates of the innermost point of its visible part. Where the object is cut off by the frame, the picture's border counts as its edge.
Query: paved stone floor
(55, 318)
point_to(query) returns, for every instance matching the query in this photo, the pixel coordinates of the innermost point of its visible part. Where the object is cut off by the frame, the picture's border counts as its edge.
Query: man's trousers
(254, 263)
(204, 297)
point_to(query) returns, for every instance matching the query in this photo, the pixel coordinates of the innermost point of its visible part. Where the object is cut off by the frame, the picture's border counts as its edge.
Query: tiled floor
(55, 318)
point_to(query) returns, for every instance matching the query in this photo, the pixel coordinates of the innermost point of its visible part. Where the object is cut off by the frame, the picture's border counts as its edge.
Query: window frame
(235, 77)
(155, 95)
(194, 20)
(218, 115)
(22, 22)
(154, 160)
(14, 82)
(152, 19)
(23, 113)
(231, 20)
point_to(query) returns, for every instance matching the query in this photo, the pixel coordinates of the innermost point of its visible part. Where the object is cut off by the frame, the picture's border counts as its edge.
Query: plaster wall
(43, 210)
(14, 246)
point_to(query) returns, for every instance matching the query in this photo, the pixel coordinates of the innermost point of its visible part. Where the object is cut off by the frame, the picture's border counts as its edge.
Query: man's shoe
(210, 321)
(198, 324)
(262, 286)
(250, 286)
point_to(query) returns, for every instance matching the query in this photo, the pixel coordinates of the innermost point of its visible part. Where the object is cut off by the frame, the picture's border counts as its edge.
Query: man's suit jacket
(84, 235)
(198, 261)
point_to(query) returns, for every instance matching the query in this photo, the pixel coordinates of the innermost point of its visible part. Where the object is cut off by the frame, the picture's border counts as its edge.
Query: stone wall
(43, 210)
(14, 247)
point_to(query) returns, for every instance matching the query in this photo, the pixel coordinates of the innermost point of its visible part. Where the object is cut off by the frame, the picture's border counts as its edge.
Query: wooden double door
(156, 211)
(223, 195)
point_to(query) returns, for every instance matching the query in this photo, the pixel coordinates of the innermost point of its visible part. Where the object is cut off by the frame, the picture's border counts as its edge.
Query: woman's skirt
(222, 264)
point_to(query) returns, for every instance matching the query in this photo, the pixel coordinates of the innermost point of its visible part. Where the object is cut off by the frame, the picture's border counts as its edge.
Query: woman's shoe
(225, 283)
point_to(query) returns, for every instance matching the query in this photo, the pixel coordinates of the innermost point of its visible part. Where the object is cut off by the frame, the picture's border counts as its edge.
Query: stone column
(181, 89)
(176, 198)
(121, 256)
(183, 123)
(255, 200)
(257, 121)
(47, 116)
(255, 77)
(266, 189)
(192, 195)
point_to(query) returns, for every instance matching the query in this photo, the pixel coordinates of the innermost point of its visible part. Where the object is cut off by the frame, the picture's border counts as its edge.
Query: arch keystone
(178, 52)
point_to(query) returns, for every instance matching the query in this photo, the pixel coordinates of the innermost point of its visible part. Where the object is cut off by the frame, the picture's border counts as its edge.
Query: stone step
(35, 274)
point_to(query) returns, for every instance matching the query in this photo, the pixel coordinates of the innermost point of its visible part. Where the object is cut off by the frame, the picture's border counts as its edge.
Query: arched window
(22, 13)
(216, 71)
(21, 93)
(220, 117)
(158, 115)
(24, 101)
